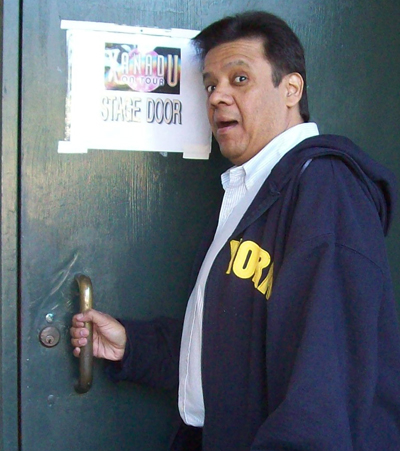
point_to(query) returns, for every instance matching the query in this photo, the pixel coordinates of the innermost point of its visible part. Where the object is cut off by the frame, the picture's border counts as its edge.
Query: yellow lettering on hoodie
(266, 286)
(249, 260)
(234, 247)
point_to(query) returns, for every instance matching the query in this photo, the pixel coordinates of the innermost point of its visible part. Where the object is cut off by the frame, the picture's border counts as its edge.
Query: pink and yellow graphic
(127, 68)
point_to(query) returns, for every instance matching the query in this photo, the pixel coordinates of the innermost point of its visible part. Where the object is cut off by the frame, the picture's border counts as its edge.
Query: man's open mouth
(225, 124)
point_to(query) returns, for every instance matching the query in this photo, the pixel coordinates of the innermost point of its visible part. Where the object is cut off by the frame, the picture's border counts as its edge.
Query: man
(290, 338)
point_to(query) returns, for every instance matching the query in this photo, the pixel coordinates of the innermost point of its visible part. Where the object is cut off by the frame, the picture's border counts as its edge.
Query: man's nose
(221, 95)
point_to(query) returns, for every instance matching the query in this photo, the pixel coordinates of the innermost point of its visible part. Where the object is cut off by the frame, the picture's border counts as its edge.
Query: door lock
(49, 336)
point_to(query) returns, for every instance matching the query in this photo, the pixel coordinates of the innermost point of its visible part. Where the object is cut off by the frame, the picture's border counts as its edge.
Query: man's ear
(294, 85)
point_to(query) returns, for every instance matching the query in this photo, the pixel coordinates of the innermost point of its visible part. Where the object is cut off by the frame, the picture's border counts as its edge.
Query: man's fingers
(99, 318)
(77, 321)
(76, 352)
(77, 332)
(77, 342)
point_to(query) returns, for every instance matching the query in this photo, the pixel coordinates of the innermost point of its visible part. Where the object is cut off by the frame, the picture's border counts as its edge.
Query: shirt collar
(263, 162)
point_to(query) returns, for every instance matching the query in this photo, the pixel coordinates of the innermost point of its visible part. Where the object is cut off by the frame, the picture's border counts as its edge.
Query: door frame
(10, 76)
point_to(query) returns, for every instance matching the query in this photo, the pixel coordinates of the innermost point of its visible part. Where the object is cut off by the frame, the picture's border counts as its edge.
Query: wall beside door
(132, 221)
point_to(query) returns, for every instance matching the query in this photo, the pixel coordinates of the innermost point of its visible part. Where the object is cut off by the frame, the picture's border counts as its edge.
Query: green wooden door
(132, 220)
(129, 220)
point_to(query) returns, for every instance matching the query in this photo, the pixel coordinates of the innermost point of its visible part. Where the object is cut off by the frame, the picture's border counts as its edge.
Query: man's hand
(109, 336)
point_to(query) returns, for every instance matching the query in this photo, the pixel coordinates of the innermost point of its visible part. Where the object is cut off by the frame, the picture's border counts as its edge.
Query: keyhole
(49, 336)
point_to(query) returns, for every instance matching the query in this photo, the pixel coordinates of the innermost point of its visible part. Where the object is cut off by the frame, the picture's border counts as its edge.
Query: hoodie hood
(380, 182)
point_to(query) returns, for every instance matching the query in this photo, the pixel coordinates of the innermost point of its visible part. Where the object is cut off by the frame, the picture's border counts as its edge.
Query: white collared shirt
(241, 184)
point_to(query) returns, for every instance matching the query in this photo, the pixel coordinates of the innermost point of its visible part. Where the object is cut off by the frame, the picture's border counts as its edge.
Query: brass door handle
(86, 355)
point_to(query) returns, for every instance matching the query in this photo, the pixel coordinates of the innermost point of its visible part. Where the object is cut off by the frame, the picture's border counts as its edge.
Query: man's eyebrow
(230, 64)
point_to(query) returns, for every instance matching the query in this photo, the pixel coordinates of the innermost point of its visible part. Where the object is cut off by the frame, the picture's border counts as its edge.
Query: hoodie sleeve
(333, 342)
(152, 353)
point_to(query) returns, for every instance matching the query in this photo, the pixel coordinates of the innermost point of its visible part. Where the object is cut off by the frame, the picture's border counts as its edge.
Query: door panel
(129, 220)
(132, 220)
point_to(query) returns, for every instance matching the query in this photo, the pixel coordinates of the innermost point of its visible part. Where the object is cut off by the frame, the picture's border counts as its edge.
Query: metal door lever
(86, 356)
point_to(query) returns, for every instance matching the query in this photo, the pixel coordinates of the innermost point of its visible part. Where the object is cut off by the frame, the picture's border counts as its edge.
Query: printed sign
(134, 89)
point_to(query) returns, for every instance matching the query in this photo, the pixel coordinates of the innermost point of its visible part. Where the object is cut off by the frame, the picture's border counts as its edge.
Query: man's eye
(240, 79)
(210, 88)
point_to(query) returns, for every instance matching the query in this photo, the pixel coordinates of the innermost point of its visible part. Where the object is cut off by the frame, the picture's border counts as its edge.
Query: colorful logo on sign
(127, 68)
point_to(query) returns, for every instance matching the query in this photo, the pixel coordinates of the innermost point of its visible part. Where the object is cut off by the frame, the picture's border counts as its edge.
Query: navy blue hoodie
(301, 345)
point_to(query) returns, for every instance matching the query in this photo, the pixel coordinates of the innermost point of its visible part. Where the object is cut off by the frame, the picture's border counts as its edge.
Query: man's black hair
(282, 47)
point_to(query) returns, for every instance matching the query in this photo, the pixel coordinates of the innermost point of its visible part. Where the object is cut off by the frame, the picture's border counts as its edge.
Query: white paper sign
(134, 88)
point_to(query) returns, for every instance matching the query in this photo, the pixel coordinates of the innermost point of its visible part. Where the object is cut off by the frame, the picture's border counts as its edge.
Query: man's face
(245, 110)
